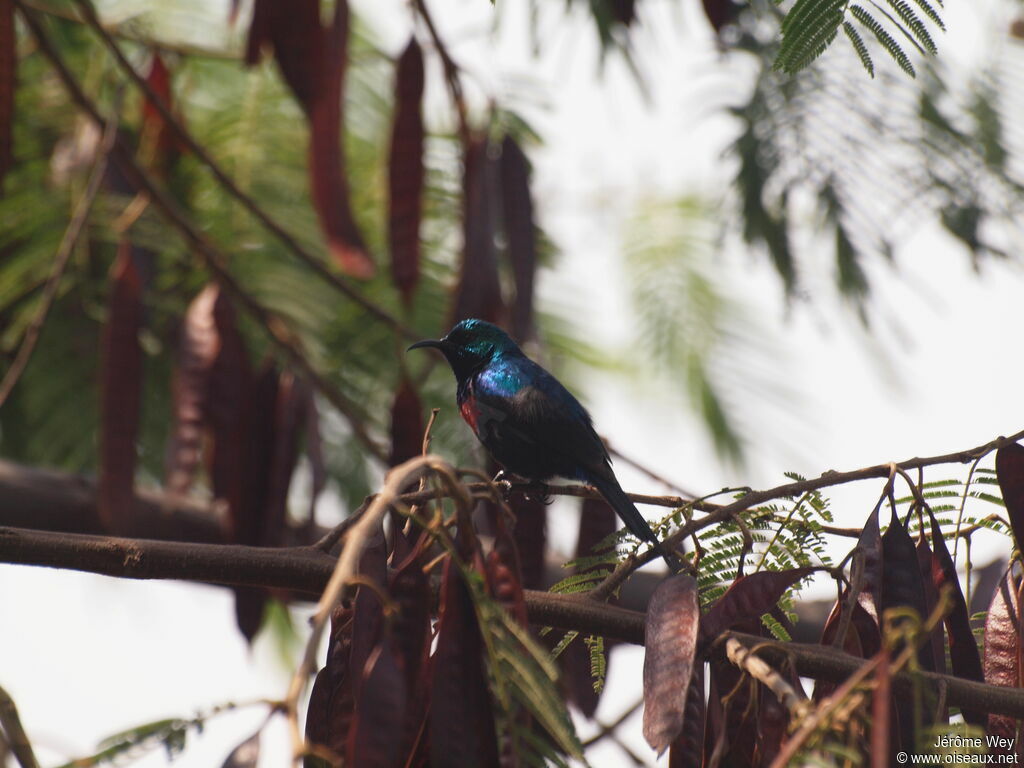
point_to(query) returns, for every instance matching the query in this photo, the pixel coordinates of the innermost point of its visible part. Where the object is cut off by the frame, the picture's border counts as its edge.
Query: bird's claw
(504, 484)
(543, 497)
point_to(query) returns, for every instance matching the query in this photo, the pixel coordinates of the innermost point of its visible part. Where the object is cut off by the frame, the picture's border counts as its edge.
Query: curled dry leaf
(687, 750)
(1010, 472)
(720, 12)
(369, 614)
(461, 726)
(504, 578)
(963, 650)
(406, 172)
(670, 632)
(772, 723)
(868, 561)
(158, 145)
(902, 585)
(903, 588)
(748, 597)
(240, 463)
(246, 754)
(294, 32)
(520, 234)
(406, 424)
(1003, 649)
(120, 393)
(332, 700)
(478, 293)
(623, 11)
(862, 638)
(198, 347)
(288, 423)
(733, 714)
(530, 532)
(925, 558)
(326, 157)
(382, 699)
(314, 453)
(410, 590)
(313, 59)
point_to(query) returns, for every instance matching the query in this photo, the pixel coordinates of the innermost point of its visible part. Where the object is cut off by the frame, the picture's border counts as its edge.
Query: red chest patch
(469, 412)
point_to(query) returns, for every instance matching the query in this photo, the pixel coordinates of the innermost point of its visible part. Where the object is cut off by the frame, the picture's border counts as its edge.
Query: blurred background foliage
(829, 172)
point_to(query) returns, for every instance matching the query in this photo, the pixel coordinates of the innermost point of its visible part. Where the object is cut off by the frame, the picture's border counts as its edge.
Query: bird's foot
(544, 497)
(504, 484)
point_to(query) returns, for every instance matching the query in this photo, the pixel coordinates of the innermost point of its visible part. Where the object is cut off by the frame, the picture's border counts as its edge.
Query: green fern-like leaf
(523, 673)
(598, 661)
(807, 30)
(914, 23)
(858, 45)
(778, 631)
(884, 39)
(580, 582)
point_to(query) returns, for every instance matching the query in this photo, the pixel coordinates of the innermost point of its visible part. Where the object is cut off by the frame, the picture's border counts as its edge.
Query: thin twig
(610, 728)
(745, 658)
(615, 452)
(963, 505)
(328, 540)
(789, 490)
(348, 562)
(60, 261)
(123, 31)
(182, 134)
(10, 724)
(451, 71)
(810, 724)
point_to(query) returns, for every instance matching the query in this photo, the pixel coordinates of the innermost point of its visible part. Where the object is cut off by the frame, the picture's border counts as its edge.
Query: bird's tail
(630, 515)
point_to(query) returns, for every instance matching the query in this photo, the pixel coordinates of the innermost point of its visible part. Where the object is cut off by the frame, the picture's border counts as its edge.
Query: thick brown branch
(827, 663)
(301, 569)
(307, 570)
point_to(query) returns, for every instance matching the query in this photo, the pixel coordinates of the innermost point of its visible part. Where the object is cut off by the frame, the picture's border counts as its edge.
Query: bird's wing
(525, 402)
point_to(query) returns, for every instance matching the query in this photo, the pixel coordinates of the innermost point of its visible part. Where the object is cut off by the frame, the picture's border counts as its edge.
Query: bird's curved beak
(434, 343)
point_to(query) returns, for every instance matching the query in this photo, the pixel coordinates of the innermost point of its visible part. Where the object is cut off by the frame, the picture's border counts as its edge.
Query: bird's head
(470, 344)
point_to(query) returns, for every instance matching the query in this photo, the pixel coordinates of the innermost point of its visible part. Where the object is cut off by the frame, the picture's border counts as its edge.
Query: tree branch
(826, 480)
(307, 570)
(10, 726)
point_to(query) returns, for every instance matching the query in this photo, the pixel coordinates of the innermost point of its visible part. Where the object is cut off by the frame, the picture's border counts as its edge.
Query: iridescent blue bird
(528, 421)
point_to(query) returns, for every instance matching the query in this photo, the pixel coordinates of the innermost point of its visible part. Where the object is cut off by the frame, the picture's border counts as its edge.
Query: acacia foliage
(221, 387)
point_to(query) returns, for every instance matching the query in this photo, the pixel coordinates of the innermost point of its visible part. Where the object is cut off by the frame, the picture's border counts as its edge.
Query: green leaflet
(811, 25)
(859, 47)
(807, 31)
(598, 660)
(884, 38)
(524, 675)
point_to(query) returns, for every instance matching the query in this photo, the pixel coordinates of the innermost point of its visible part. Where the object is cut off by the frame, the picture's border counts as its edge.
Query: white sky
(85, 656)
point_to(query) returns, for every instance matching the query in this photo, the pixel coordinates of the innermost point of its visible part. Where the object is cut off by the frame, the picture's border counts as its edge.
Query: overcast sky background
(85, 656)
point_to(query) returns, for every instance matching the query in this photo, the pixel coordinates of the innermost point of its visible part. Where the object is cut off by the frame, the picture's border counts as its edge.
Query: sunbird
(529, 423)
